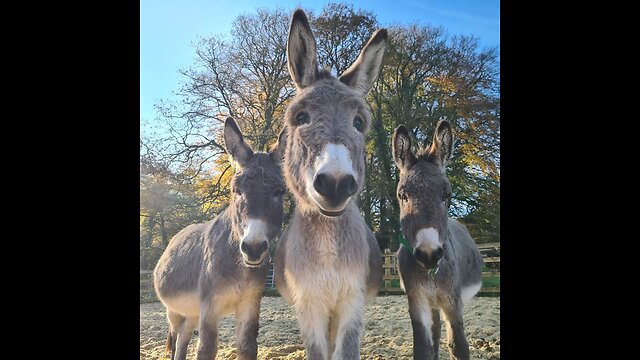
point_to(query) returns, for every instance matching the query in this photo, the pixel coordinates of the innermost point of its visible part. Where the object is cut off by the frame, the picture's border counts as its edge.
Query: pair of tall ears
(439, 152)
(302, 57)
(241, 152)
(303, 66)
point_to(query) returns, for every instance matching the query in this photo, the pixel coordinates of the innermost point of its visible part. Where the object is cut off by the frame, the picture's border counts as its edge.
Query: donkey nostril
(420, 256)
(323, 184)
(347, 186)
(438, 253)
(319, 182)
(262, 247)
(244, 247)
(352, 186)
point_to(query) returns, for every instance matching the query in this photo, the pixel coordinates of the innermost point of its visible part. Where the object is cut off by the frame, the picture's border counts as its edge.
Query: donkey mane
(261, 160)
(426, 153)
(423, 152)
(324, 74)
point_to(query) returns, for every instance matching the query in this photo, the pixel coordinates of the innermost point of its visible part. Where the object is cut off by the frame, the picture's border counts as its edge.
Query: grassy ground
(491, 282)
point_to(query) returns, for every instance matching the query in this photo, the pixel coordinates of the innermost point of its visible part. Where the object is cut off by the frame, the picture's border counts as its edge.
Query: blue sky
(168, 28)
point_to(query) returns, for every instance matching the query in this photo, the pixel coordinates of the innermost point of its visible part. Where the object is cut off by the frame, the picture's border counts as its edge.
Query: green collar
(404, 242)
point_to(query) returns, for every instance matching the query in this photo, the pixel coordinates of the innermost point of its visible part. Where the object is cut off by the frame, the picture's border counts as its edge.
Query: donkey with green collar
(441, 269)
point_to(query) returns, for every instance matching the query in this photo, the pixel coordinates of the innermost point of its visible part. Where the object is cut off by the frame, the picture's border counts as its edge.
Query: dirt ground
(387, 333)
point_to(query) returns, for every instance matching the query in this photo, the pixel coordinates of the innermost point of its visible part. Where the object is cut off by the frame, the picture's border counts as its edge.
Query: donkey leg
(184, 336)
(435, 331)
(208, 335)
(333, 331)
(175, 321)
(350, 322)
(458, 346)
(421, 323)
(314, 324)
(247, 324)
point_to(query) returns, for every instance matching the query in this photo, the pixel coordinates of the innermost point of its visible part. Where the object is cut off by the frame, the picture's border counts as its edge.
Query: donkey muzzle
(335, 189)
(254, 253)
(429, 260)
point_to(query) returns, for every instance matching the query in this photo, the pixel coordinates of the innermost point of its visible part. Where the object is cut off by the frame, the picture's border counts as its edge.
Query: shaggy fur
(423, 193)
(203, 274)
(327, 266)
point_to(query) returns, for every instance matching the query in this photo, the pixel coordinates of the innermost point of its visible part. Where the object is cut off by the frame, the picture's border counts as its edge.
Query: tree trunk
(163, 232)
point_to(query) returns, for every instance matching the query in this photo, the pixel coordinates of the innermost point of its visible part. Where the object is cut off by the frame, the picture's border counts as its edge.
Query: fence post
(387, 270)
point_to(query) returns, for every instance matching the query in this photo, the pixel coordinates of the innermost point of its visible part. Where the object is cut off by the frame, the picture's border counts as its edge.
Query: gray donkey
(220, 267)
(444, 268)
(328, 263)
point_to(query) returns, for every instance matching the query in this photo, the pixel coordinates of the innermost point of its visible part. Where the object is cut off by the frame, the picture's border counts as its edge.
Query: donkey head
(256, 198)
(424, 192)
(327, 122)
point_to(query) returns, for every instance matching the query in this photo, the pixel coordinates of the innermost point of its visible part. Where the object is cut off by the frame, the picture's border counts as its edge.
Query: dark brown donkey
(220, 267)
(328, 262)
(443, 269)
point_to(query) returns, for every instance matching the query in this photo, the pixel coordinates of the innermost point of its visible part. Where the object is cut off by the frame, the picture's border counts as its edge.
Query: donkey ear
(363, 72)
(301, 51)
(442, 145)
(234, 143)
(402, 152)
(277, 149)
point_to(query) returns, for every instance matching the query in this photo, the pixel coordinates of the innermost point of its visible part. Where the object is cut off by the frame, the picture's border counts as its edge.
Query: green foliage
(169, 203)
(427, 77)
(491, 282)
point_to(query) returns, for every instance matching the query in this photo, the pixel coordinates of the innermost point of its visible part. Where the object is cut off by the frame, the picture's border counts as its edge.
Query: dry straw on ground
(387, 332)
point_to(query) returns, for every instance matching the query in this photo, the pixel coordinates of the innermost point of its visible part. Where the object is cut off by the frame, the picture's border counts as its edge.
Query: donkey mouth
(256, 263)
(331, 209)
(251, 264)
(429, 265)
(332, 213)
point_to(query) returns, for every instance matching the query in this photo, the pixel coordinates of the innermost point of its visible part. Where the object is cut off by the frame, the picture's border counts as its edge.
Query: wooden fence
(490, 254)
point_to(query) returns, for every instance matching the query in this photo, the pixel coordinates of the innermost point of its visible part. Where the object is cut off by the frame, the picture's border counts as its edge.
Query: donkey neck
(330, 243)
(226, 224)
(316, 227)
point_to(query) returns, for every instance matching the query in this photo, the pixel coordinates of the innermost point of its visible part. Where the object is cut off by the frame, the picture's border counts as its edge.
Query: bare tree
(340, 31)
(244, 76)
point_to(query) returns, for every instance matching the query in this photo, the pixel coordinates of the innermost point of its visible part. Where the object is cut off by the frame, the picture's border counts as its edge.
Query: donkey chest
(326, 267)
(434, 292)
(326, 285)
(327, 280)
(225, 294)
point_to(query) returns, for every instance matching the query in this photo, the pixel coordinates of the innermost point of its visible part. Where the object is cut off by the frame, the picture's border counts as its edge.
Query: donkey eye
(302, 117)
(403, 196)
(358, 123)
(237, 191)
